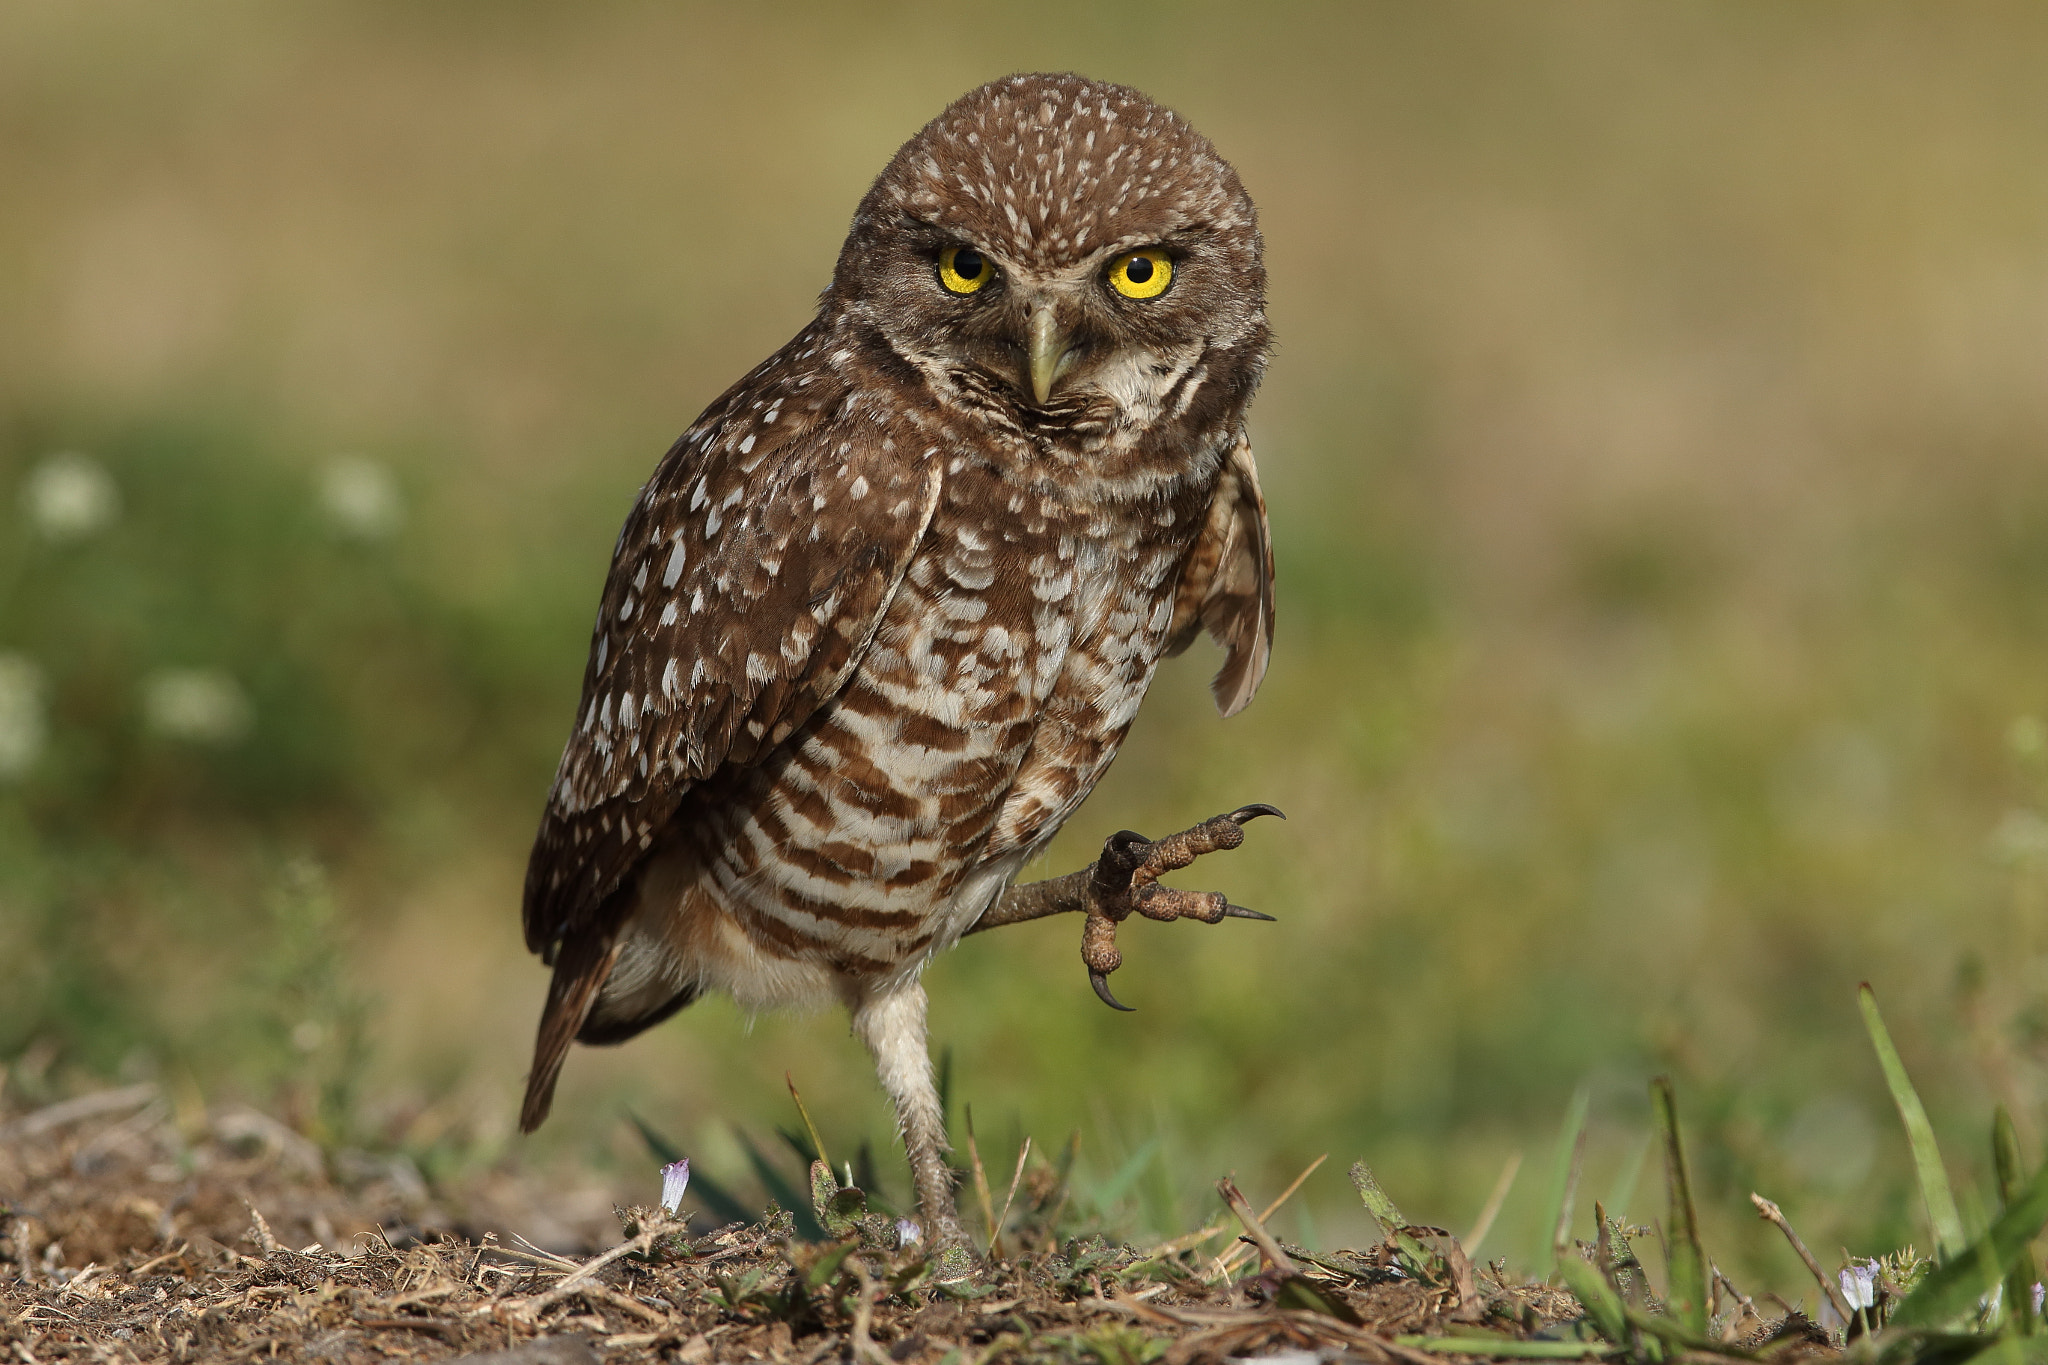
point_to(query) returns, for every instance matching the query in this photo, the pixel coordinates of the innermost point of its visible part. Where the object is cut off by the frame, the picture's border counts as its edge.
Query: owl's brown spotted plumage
(881, 617)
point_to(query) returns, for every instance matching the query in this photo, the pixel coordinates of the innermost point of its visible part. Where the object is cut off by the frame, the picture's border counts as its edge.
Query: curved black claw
(1239, 912)
(1254, 811)
(1101, 985)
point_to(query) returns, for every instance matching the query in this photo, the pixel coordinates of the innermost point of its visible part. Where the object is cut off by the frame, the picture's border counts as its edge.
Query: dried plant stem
(817, 1143)
(1255, 1227)
(572, 1283)
(1772, 1214)
(1229, 1259)
(1009, 1197)
(261, 1227)
(1494, 1202)
(864, 1349)
(538, 1255)
(1748, 1305)
(988, 1204)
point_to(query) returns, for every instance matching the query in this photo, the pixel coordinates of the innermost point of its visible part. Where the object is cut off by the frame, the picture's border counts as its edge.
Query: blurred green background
(1655, 449)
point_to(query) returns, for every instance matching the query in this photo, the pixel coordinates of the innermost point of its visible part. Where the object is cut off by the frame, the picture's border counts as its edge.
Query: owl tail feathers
(581, 966)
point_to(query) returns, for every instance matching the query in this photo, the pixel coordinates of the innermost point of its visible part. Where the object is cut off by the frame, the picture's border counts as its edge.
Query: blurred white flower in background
(22, 727)
(2027, 737)
(361, 498)
(202, 705)
(70, 496)
(2021, 837)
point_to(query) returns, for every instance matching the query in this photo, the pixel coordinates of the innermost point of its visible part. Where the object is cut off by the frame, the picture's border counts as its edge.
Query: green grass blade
(2026, 1271)
(1376, 1200)
(1505, 1348)
(2009, 1351)
(1953, 1288)
(817, 1152)
(1686, 1265)
(1623, 1191)
(1109, 1192)
(1560, 1193)
(1393, 1224)
(1597, 1297)
(1934, 1188)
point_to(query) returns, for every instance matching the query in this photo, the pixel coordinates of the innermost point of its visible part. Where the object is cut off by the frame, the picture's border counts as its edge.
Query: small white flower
(1859, 1285)
(361, 498)
(69, 496)
(2021, 836)
(22, 727)
(908, 1233)
(2040, 1297)
(2027, 737)
(201, 705)
(675, 1178)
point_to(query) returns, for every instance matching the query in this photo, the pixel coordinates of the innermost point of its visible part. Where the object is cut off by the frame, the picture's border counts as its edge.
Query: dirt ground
(132, 1234)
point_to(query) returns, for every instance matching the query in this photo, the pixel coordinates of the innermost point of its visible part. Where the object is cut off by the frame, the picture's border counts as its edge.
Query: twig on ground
(864, 1350)
(83, 1107)
(1230, 1257)
(1748, 1305)
(1253, 1226)
(532, 1308)
(1771, 1213)
(533, 1255)
(147, 1266)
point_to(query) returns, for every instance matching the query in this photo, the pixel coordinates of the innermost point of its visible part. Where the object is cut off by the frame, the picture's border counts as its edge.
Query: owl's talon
(1101, 985)
(1125, 880)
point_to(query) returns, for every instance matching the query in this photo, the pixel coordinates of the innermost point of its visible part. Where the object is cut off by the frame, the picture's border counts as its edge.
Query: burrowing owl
(882, 616)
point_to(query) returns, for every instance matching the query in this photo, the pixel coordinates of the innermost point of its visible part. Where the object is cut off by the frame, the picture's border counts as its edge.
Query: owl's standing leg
(891, 1022)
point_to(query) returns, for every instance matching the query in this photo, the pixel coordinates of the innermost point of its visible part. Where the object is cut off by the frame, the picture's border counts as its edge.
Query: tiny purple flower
(908, 1233)
(1859, 1284)
(675, 1178)
(2040, 1296)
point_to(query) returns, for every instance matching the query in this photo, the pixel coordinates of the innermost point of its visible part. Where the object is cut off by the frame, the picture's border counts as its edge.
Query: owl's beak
(1050, 352)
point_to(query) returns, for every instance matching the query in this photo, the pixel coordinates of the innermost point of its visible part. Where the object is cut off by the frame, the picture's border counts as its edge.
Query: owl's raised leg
(892, 1024)
(1125, 879)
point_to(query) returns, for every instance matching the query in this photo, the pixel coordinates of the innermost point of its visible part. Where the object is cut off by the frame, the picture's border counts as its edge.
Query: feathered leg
(892, 1025)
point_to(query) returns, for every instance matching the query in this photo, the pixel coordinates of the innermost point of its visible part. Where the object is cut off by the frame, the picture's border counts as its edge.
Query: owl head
(1063, 249)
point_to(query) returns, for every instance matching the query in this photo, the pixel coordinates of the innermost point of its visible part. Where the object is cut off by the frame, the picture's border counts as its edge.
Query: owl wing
(748, 580)
(1226, 586)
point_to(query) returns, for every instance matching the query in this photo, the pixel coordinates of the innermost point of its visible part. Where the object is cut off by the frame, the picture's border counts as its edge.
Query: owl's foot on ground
(1125, 880)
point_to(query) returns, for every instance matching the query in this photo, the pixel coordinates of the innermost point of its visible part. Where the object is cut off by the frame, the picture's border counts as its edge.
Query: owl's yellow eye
(1141, 274)
(963, 270)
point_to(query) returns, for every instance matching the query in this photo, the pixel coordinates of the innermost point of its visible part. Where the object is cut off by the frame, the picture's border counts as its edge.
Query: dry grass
(136, 1234)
